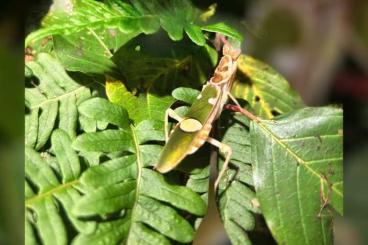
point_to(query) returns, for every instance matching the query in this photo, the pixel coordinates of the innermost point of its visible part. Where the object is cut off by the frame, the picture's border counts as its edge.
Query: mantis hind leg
(170, 113)
(227, 151)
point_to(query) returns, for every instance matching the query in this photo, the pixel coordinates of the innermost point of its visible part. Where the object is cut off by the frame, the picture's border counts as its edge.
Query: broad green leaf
(267, 92)
(297, 160)
(223, 29)
(84, 53)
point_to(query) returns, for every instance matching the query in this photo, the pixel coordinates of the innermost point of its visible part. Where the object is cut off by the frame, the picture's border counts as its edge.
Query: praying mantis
(193, 130)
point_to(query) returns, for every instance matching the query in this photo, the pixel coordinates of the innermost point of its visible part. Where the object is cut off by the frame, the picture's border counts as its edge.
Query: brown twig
(243, 111)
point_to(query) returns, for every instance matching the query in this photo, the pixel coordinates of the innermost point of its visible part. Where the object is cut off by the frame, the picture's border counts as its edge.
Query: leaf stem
(243, 111)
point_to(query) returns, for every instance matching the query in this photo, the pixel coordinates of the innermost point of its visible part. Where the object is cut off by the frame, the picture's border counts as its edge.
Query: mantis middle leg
(170, 113)
(227, 151)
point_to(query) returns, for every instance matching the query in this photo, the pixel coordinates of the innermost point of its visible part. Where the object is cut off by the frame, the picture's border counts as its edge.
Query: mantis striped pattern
(193, 130)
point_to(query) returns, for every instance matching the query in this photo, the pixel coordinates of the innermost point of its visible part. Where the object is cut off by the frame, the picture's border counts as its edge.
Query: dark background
(320, 46)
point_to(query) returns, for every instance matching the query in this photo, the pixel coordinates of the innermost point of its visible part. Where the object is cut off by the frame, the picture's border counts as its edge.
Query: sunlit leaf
(223, 29)
(56, 94)
(268, 93)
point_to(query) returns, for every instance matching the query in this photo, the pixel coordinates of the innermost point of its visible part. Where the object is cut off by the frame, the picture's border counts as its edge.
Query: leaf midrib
(302, 163)
(50, 192)
(300, 160)
(139, 178)
(57, 98)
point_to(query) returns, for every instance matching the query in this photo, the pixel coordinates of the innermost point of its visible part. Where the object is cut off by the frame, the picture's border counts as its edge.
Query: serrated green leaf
(174, 15)
(89, 15)
(103, 110)
(223, 29)
(290, 180)
(268, 93)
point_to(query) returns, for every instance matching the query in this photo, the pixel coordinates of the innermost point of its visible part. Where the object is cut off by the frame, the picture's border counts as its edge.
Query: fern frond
(127, 183)
(56, 94)
(48, 191)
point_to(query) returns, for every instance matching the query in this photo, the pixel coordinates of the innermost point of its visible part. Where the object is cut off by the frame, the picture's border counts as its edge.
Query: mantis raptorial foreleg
(227, 151)
(170, 113)
(233, 99)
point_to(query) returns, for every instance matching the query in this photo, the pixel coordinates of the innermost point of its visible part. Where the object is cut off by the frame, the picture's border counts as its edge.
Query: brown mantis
(193, 130)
